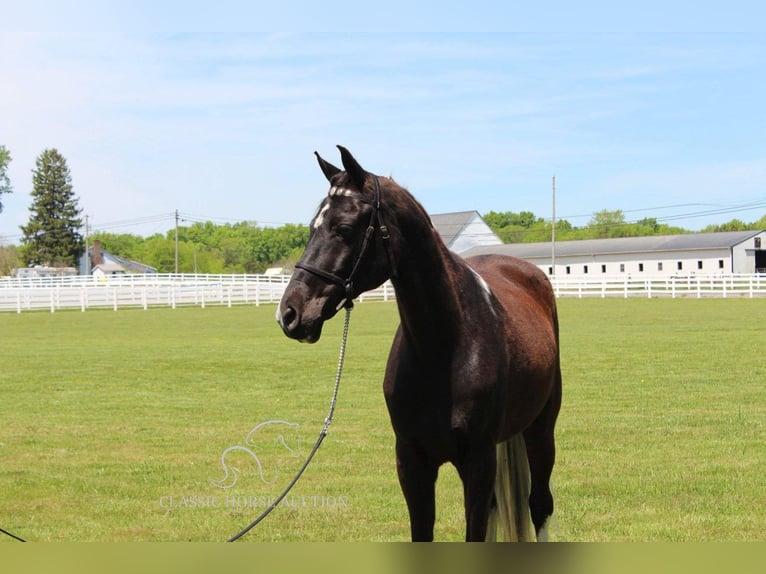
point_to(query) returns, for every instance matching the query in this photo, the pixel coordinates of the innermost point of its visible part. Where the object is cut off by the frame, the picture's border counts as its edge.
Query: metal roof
(656, 243)
(449, 225)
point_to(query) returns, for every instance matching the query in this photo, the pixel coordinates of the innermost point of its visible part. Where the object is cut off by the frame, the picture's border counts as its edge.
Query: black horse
(473, 376)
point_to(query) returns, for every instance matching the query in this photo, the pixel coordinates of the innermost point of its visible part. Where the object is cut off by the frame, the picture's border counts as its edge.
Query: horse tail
(509, 518)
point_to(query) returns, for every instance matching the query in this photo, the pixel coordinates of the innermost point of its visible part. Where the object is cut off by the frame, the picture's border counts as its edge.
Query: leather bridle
(376, 221)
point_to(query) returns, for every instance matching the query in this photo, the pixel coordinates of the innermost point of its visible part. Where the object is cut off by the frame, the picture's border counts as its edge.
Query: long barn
(667, 255)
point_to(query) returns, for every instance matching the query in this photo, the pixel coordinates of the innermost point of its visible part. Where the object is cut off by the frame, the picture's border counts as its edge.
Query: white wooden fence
(86, 292)
(144, 291)
(697, 286)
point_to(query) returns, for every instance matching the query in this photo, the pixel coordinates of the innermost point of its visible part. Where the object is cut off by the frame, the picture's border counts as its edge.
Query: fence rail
(171, 290)
(86, 292)
(696, 286)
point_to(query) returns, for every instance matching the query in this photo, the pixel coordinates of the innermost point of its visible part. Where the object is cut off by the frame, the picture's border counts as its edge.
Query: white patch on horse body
(484, 287)
(319, 219)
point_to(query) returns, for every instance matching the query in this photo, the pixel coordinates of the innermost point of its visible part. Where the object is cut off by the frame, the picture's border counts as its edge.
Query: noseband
(376, 217)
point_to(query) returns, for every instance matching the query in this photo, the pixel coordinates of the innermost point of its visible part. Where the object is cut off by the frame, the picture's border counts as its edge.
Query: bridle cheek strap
(348, 283)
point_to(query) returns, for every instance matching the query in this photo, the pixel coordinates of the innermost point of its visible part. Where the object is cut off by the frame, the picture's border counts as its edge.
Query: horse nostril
(289, 315)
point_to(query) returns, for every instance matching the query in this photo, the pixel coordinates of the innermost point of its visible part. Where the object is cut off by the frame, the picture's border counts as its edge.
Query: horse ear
(328, 169)
(352, 167)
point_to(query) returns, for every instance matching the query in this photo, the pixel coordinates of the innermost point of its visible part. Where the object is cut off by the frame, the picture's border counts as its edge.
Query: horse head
(348, 252)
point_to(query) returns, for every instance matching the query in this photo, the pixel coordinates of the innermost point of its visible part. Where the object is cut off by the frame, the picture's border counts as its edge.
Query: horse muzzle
(301, 317)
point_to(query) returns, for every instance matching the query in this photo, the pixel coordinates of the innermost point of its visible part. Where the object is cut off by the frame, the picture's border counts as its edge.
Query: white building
(464, 230)
(98, 261)
(666, 255)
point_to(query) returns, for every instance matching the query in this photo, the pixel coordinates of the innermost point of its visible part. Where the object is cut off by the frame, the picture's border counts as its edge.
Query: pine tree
(52, 236)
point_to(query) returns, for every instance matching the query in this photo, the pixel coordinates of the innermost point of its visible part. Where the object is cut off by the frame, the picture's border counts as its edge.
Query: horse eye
(344, 231)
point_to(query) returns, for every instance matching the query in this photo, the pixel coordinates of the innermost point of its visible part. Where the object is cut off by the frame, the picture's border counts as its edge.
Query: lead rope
(319, 440)
(11, 535)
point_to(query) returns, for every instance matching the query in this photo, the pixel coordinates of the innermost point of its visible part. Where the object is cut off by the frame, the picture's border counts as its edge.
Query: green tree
(9, 259)
(607, 223)
(5, 182)
(52, 236)
(733, 225)
(123, 244)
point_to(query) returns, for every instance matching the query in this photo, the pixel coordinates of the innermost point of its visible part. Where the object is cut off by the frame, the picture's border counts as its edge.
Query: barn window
(720, 264)
(603, 269)
(680, 265)
(569, 269)
(659, 266)
(622, 268)
(757, 242)
(550, 270)
(585, 269)
(640, 266)
(699, 264)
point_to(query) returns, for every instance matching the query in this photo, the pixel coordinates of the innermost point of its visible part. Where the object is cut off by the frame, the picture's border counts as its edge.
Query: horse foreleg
(477, 471)
(417, 477)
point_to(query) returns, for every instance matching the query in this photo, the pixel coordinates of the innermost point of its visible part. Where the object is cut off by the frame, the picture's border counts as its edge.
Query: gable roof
(449, 225)
(127, 264)
(654, 243)
(462, 230)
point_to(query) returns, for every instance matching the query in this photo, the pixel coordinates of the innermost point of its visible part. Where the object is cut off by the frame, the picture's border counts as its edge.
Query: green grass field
(112, 425)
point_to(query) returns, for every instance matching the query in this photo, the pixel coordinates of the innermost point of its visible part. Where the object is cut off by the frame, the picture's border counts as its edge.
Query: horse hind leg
(541, 454)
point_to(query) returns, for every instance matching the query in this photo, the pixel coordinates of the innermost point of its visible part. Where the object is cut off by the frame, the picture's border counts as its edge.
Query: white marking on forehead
(319, 219)
(342, 191)
(334, 192)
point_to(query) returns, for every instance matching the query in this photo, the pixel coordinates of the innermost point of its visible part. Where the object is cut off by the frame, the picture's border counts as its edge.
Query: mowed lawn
(113, 426)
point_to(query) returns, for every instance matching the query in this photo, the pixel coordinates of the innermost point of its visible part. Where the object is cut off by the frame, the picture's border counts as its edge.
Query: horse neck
(428, 291)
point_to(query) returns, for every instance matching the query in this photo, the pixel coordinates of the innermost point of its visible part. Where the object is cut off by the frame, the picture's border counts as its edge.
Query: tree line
(526, 227)
(210, 248)
(54, 234)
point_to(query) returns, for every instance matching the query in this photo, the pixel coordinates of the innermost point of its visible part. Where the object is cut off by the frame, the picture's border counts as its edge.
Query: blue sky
(185, 107)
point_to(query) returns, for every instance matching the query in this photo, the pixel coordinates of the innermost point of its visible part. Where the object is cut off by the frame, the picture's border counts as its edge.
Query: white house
(98, 261)
(464, 230)
(688, 254)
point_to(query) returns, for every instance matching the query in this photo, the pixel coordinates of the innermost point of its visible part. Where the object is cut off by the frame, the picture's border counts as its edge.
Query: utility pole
(176, 242)
(87, 256)
(553, 230)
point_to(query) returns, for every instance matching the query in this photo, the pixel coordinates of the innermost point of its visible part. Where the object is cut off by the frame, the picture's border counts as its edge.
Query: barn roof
(449, 225)
(656, 243)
